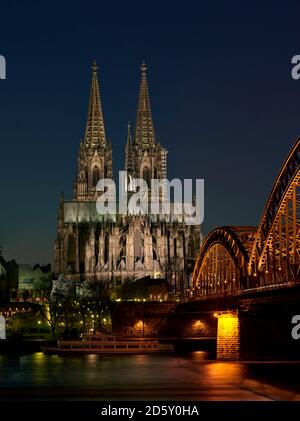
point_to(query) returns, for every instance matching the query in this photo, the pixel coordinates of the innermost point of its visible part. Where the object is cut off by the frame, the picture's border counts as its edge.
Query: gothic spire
(95, 132)
(128, 133)
(129, 150)
(144, 132)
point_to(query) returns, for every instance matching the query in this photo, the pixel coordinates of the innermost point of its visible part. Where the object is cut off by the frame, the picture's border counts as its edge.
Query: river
(144, 377)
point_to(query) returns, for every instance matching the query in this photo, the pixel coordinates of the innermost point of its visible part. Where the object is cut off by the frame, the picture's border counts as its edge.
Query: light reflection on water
(225, 372)
(95, 370)
(171, 376)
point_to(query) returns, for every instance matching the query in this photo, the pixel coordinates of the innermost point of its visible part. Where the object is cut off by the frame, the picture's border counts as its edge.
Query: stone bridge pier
(228, 335)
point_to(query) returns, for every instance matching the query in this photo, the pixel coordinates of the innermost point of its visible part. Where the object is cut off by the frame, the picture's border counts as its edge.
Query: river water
(144, 377)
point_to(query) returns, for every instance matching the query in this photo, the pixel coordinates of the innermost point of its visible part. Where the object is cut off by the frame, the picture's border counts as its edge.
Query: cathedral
(121, 247)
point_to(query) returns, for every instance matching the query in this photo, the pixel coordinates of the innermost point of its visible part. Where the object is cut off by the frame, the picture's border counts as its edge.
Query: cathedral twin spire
(95, 131)
(144, 157)
(144, 131)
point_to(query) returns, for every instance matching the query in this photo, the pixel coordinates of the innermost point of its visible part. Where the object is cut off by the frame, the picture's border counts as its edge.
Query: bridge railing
(197, 293)
(281, 285)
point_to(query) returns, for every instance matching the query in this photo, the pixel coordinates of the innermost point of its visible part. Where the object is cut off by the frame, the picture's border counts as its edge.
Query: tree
(56, 299)
(61, 300)
(94, 299)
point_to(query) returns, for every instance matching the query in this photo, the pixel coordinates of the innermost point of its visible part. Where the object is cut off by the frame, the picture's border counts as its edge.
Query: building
(30, 274)
(9, 275)
(127, 246)
(3, 277)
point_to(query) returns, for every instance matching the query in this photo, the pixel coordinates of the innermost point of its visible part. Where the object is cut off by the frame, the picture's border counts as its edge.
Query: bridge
(245, 270)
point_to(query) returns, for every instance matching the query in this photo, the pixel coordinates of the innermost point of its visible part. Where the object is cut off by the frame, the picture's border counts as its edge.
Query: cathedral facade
(120, 247)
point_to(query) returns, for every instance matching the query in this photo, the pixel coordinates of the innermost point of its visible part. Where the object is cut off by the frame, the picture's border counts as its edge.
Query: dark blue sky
(223, 100)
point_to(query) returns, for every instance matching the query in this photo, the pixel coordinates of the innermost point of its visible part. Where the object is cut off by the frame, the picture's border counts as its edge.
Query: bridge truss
(233, 259)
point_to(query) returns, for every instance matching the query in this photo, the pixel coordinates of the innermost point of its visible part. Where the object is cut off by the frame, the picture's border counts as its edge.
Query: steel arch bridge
(234, 259)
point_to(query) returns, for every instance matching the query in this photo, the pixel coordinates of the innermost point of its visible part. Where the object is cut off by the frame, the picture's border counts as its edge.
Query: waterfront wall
(161, 320)
(261, 331)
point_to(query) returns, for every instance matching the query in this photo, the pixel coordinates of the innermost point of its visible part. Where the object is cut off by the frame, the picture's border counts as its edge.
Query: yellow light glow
(228, 336)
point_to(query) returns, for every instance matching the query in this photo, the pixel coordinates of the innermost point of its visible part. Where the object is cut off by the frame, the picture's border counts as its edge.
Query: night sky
(223, 101)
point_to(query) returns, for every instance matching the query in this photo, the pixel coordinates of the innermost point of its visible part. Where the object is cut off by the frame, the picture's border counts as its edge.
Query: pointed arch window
(71, 250)
(138, 245)
(96, 175)
(191, 248)
(147, 176)
(106, 248)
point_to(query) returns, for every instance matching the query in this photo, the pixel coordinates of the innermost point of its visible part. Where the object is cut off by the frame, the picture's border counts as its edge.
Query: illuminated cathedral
(120, 247)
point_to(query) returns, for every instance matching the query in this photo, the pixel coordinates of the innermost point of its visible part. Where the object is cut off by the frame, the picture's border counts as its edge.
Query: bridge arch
(275, 254)
(221, 266)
